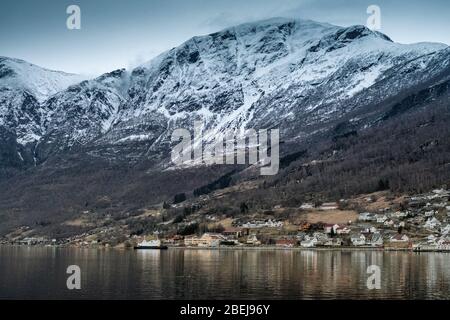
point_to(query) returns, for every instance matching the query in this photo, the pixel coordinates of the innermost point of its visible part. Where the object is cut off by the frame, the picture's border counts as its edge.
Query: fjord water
(40, 273)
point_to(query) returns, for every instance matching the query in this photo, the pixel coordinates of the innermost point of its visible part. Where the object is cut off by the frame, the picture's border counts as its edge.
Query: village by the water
(418, 223)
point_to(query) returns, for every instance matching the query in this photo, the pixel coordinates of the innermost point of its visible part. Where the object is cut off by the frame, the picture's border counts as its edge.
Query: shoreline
(224, 248)
(239, 248)
(267, 248)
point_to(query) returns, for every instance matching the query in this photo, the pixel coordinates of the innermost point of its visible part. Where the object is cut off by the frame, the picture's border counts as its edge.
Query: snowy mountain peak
(279, 22)
(39, 82)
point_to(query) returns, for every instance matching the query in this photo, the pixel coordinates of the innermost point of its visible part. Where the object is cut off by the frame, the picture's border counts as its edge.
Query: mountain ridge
(244, 57)
(230, 78)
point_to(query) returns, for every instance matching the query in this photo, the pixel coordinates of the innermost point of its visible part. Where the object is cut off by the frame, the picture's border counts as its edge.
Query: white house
(329, 206)
(307, 206)
(399, 238)
(429, 214)
(253, 240)
(308, 242)
(343, 230)
(389, 223)
(399, 214)
(359, 240)
(336, 242)
(381, 218)
(366, 216)
(432, 223)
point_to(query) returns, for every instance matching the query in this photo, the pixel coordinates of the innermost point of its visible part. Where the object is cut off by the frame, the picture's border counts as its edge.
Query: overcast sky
(117, 34)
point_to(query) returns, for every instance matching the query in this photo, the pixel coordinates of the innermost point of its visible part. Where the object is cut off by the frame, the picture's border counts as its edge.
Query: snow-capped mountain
(39, 82)
(23, 89)
(285, 73)
(296, 75)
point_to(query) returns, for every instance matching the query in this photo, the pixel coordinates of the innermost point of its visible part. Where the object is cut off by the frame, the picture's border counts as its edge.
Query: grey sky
(116, 34)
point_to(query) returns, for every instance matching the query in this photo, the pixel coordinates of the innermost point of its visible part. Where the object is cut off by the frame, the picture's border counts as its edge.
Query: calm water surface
(40, 273)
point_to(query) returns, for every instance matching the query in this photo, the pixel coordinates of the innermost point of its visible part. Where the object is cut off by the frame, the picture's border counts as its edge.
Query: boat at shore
(150, 245)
